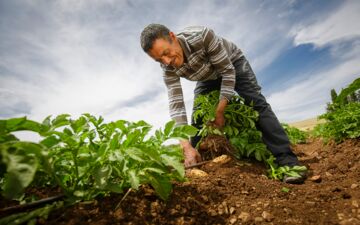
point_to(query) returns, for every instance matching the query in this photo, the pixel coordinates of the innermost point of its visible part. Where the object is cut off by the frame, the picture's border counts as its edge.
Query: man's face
(168, 52)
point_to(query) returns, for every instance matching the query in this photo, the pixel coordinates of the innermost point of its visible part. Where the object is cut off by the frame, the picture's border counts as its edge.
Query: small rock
(173, 211)
(316, 178)
(205, 198)
(310, 203)
(94, 211)
(245, 192)
(197, 173)
(180, 220)
(232, 210)
(212, 212)
(154, 208)
(328, 174)
(232, 220)
(340, 216)
(220, 209)
(226, 208)
(267, 216)
(222, 159)
(244, 216)
(353, 186)
(355, 204)
(258, 219)
(118, 214)
(350, 221)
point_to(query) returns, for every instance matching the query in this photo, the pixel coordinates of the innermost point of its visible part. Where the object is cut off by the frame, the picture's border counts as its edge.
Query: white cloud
(308, 98)
(340, 32)
(80, 56)
(342, 24)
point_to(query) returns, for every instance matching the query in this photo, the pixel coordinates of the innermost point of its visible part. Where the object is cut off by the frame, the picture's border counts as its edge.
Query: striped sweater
(208, 58)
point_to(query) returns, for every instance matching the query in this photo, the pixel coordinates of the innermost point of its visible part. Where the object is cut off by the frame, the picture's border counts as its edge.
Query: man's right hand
(191, 155)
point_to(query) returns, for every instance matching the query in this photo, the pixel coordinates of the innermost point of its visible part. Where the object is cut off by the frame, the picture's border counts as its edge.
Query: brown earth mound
(233, 192)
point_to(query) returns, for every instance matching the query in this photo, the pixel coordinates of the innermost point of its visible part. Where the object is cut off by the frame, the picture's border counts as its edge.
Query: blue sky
(76, 56)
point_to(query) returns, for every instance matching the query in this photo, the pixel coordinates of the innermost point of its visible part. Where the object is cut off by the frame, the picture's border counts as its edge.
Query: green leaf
(134, 179)
(50, 141)
(168, 127)
(153, 169)
(14, 123)
(176, 164)
(79, 125)
(135, 153)
(21, 160)
(102, 175)
(258, 156)
(161, 184)
(60, 120)
(117, 188)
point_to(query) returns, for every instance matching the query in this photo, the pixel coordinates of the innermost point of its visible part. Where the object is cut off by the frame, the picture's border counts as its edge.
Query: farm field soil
(238, 192)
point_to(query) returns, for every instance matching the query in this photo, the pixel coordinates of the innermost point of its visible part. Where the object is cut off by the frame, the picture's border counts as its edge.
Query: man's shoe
(295, 180)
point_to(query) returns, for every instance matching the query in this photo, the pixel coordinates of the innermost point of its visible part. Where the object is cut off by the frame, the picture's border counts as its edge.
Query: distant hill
(307, 124)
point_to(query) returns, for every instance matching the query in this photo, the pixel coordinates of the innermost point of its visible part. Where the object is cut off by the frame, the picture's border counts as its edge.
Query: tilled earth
(238, 192)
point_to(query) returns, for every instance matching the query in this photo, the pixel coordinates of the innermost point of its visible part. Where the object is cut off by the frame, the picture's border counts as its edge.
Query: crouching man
(198, 54)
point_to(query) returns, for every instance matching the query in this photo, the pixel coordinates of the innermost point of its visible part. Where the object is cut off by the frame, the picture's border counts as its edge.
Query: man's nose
(166, 60)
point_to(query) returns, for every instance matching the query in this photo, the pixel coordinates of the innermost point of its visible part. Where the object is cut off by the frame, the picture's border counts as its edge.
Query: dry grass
(307, 124)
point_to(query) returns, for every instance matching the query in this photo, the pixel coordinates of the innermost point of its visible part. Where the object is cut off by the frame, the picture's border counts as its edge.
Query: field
(88, 171)
(238, 192)
(307, 124)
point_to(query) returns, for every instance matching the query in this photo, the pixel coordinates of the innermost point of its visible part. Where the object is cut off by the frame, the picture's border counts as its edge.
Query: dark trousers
(246, 86)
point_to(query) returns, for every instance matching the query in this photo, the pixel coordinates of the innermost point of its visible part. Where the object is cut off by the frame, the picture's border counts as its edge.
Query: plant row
(240, 129)
(87, 157)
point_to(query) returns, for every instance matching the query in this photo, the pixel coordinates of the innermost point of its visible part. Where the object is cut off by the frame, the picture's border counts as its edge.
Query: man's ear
(172, 36)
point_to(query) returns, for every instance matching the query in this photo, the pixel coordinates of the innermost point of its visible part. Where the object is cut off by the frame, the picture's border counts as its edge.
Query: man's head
(162, 45)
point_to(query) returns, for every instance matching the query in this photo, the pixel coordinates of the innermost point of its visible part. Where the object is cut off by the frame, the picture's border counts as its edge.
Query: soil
(238, 192)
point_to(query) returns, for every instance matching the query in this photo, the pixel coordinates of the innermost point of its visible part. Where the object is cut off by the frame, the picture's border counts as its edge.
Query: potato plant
(296, 136)
(87, 157)
(240, 130)
(342, 116)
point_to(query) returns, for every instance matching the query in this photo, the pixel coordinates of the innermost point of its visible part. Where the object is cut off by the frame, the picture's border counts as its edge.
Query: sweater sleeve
(176, 99)
(219, 58)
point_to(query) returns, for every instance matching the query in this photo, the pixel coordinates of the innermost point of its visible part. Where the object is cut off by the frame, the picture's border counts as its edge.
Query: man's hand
(219, 119)
(191, 154)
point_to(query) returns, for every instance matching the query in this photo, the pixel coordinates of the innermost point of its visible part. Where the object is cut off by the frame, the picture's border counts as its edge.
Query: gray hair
(152, 32)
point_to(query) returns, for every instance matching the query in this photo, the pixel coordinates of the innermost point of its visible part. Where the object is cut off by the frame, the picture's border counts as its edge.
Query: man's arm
(221, 61)
(178, 113)
(176, 100)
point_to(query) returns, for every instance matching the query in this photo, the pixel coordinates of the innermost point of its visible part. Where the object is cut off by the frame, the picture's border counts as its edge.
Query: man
(197, 54)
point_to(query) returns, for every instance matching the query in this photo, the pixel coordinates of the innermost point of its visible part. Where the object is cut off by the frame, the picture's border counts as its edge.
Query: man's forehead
(158, 47)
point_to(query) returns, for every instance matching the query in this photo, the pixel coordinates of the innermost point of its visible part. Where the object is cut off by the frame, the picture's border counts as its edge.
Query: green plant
(342, 116)
(240, 129)
(295, 135)
(87, 157)
(341, 124)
